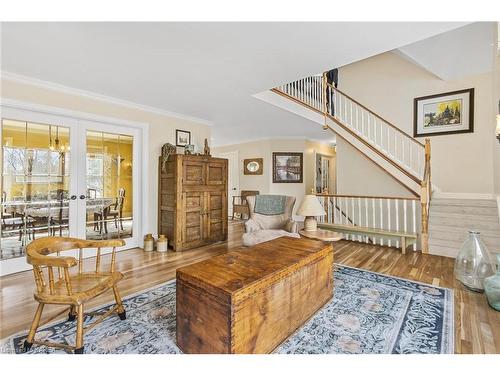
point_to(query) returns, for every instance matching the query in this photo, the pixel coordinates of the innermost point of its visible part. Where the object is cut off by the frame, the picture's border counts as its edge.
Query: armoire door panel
(194, 172)
(216, 173)
(193, 204)
(217, 212)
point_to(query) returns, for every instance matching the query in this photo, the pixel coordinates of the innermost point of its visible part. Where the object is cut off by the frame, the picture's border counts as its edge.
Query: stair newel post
(425, 196)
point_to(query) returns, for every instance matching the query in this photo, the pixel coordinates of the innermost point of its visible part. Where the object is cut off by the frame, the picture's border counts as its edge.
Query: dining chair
(72, 289)
(61, 219)
(117, 211)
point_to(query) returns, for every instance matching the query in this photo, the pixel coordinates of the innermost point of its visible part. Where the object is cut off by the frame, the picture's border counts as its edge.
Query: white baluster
(366, 216)
(363, 123)
(396, 204)
(414, 221)
(381, 220)
(410, 145)
(395, 146)
(389, 216)
(373, 218)
(351, 121)
(360, 221)
(402, 151)
(352, 215)
(405, 227)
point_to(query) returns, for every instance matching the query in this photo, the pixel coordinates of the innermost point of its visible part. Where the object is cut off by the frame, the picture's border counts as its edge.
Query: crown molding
(9, 76)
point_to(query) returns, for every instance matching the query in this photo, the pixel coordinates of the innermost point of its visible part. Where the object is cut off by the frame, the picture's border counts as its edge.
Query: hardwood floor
(477, 326)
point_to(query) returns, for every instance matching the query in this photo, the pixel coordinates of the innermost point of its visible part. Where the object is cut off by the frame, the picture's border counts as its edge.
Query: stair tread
(460, 216)
(464, 202)
(459, 241)
(457, 229)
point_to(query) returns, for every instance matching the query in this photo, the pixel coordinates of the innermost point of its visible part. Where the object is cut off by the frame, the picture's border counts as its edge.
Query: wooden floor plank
(477, 326)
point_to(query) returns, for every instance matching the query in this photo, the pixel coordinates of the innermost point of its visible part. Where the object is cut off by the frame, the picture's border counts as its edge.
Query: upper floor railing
(389, 140)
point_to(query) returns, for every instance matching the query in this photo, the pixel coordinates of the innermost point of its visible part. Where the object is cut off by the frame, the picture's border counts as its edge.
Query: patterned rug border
(448, 322)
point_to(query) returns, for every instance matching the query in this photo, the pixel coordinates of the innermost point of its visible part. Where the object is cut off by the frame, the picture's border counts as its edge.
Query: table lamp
(310, 208)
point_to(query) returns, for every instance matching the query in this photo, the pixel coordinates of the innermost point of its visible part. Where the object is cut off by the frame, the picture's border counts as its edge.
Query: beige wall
(161, 128)
(357, 175)
(387, 83)
(264, 149)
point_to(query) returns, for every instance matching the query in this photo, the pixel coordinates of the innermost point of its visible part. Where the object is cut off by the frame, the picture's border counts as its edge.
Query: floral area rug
(370, 313)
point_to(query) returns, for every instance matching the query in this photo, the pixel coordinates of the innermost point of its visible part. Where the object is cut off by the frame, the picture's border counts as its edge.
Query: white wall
(387, 83)
(161, 127)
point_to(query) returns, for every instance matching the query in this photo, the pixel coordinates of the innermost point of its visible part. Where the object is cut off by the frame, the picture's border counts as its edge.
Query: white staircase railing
(378, 133)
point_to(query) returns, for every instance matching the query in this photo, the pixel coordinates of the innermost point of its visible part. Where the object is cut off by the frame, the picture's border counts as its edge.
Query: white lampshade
(310, 206)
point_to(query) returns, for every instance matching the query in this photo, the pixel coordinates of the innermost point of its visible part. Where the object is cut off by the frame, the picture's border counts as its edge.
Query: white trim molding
(14, 77)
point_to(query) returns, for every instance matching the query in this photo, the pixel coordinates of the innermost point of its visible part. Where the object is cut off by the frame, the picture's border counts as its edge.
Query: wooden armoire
(192, 202)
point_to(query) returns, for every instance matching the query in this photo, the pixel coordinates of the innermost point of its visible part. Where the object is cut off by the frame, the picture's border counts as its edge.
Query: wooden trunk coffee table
(251, 300)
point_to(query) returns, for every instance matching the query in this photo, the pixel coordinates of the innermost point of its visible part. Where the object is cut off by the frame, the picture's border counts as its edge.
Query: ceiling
(206, 70)
(462, 52)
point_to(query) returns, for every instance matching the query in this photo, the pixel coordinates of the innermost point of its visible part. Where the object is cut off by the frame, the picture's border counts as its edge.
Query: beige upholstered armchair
(270, 218)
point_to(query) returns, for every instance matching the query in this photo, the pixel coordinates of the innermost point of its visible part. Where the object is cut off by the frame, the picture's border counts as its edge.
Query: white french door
(108, 190)
(66, 176)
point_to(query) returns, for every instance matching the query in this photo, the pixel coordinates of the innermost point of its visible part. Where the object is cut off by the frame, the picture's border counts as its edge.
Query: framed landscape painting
(447, 113)
(288, 167)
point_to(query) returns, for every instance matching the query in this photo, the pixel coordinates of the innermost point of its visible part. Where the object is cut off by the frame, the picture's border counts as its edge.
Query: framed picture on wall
(253, 166)
(288, 167)
(446, 113)
(182, 138)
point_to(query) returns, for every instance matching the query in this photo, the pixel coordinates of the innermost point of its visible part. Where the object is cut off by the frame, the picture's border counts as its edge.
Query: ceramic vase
(162, 244)
(473, 263)
(149, 242)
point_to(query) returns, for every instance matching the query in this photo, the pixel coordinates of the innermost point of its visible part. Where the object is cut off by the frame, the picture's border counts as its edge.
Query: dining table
(43, 210)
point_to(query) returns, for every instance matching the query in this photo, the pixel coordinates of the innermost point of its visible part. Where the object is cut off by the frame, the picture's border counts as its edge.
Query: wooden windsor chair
(73, 289)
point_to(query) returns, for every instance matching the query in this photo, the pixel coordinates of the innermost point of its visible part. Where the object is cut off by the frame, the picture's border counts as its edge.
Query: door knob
(73, 197)
(82, 196)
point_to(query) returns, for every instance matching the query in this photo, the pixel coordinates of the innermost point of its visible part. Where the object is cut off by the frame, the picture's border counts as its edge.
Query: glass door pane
(109, 185)
(35, 184)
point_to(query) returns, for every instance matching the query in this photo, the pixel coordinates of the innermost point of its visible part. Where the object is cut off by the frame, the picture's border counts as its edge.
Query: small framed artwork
(182, 138)
(253, 166)
(446, 113)
(288, 167)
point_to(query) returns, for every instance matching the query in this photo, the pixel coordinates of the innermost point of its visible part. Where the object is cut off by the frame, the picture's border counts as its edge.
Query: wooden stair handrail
(366, 196)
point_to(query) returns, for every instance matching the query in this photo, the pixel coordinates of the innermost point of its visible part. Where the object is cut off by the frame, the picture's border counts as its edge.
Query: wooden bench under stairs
(405, 239)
